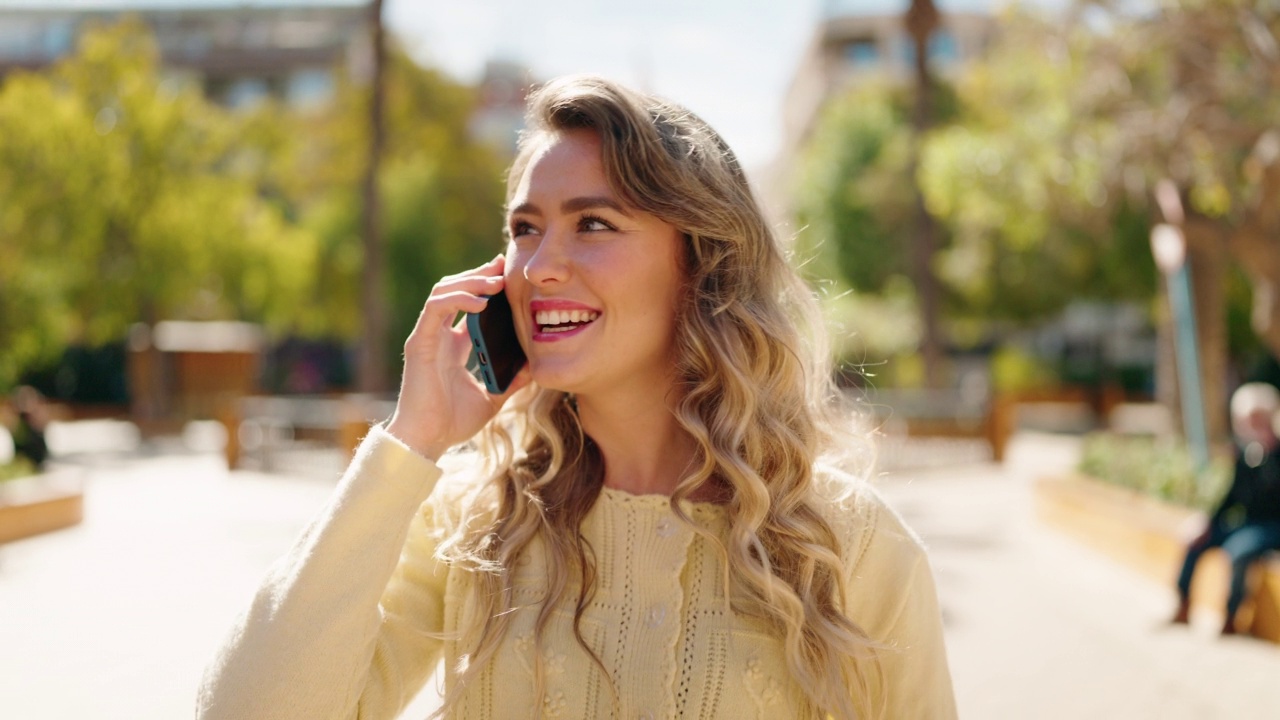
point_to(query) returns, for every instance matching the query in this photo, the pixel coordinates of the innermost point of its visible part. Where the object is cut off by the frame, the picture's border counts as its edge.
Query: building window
(245, 93)
(17, 39)
(309, 89)
(862, 52)
(59, 36)
(943, 48)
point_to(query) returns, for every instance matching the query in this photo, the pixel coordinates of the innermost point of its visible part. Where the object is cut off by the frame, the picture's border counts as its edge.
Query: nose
(550, 262)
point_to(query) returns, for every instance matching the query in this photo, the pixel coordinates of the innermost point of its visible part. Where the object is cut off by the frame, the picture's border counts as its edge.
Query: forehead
(562, 163)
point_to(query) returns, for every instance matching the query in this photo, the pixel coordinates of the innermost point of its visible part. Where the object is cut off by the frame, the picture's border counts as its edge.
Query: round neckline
(657, 501)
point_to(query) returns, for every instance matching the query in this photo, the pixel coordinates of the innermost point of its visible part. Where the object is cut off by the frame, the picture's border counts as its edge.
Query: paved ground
(115, 618)
(1040, 627)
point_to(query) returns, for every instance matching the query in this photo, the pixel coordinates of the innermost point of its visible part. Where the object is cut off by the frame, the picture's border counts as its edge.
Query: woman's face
(593, 283)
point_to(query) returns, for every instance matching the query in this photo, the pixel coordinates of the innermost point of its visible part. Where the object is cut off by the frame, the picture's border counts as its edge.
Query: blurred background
(1046, 236)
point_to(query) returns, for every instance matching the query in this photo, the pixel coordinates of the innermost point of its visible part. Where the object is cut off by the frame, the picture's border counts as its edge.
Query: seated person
(1246, 524)
(28, 435)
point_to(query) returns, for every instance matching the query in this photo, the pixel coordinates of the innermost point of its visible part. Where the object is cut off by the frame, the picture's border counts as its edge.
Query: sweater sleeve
(893, 599)
(348, 622)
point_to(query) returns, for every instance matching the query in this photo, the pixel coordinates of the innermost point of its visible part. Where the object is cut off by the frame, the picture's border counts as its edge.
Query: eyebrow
(573, 205)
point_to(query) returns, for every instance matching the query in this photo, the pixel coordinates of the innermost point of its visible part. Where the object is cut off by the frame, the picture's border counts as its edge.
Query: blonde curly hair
(754, 391)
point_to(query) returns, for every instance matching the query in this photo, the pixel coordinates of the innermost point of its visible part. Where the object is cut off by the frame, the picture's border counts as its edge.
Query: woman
(646, 531)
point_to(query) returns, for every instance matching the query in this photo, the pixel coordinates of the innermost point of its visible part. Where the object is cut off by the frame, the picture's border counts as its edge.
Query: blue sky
(728, 60)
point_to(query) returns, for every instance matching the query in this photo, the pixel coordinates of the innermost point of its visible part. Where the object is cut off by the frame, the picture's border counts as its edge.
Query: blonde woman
(646, 529)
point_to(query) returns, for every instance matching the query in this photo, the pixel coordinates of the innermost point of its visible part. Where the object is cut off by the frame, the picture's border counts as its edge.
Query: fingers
(439, 312)
(475, 284)
(464, 292)
(489, 269)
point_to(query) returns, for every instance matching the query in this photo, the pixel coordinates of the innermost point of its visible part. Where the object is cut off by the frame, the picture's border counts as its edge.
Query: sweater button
(665, 528)
(655, 616)
(646, 715)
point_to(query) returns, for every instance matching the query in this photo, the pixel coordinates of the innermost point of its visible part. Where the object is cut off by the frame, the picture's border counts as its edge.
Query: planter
(1148, 536)
(39, 504)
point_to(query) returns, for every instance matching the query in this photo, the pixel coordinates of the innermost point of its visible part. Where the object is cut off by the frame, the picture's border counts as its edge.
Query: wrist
(431, 450)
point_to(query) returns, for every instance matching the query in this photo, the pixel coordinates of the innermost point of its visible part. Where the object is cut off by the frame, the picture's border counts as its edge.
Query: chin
(556, 378)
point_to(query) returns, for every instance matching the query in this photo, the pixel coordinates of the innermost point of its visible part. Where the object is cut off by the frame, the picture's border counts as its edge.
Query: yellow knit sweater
(352, 621)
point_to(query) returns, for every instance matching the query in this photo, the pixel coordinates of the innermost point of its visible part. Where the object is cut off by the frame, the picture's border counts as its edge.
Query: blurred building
(237, 53)
(861, 40)
(499, 113)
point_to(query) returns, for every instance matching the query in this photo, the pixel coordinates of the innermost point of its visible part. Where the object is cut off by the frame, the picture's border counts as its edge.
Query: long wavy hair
(754, 391)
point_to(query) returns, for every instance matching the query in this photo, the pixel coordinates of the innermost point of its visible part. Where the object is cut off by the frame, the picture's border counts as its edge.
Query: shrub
(19, 467)
(1158, 467)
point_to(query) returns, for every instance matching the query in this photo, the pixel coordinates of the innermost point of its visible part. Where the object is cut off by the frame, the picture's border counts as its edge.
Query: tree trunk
(1256, 244)
(921, 19)
(1258, 252)
(371, 374)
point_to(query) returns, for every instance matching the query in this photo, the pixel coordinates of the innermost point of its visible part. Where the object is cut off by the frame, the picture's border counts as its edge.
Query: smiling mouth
(558, 321)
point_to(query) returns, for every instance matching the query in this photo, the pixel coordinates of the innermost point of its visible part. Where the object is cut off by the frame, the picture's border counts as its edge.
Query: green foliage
(125, 197)
(853, 197)
(1024, 182)
(123, 201)
(1161, 468)
(854, 201)
(1013, 370)
(16, 468)
(441, 194)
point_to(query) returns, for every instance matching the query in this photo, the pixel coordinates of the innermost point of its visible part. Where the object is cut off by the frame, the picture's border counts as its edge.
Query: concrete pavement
(1039, 627)
(116, 618)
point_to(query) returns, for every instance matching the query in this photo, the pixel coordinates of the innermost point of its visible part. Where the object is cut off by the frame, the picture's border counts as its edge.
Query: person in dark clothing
(28, 436)
(1246, 524)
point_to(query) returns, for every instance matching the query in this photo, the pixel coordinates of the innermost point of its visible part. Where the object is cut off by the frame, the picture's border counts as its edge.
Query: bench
(267, 431)
(41, 503)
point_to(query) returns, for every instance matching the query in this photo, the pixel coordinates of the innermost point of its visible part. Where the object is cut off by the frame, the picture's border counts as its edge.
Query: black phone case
(494, 345)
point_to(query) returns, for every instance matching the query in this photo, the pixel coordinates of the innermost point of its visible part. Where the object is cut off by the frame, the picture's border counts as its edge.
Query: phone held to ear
(494, 346)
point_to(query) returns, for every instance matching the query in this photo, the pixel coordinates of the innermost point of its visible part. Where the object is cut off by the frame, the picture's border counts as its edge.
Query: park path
(116, 618)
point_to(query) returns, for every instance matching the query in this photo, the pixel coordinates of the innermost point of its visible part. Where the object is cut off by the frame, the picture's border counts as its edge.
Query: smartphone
(495, 349)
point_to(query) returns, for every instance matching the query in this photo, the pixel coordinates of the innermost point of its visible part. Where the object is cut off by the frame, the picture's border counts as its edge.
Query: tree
(1018, 178)
(1108, 103)
(371, 371)
(441, 196)
(126, 198)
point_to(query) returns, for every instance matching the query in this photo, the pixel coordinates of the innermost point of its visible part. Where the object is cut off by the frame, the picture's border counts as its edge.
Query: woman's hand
(441, 404)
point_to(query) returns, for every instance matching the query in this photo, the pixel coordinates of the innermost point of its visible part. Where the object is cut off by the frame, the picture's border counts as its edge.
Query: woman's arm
(345, 620)
(893, 599)
(317, 642)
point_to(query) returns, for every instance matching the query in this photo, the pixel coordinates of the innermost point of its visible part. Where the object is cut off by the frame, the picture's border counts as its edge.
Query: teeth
(563, 317)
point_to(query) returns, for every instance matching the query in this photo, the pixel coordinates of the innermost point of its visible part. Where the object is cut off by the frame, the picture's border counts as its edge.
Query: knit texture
(352, 621)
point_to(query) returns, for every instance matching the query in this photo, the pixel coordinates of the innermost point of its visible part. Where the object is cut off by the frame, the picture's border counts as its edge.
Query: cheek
(513, 270)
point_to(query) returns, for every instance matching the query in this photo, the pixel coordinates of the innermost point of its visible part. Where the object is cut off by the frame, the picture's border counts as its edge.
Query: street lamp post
(1169, 246)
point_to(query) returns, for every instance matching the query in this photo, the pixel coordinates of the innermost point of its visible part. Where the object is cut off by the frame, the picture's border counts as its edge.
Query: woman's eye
(593, 224)
(520, 227)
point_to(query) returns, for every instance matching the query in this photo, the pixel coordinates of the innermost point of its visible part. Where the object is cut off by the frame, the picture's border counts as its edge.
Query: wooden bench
(260, 427)
(41, 503)
(1147, 535)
